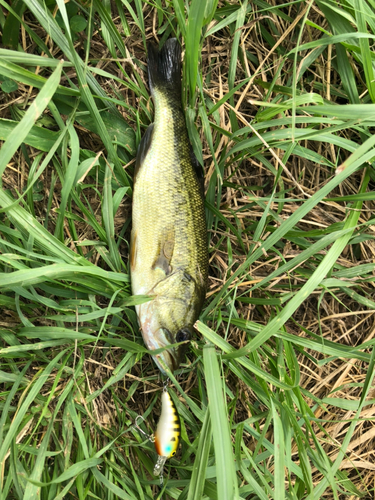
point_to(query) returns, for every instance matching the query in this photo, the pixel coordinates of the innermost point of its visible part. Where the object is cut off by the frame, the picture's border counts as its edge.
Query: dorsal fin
(143, 148)
(197, 168)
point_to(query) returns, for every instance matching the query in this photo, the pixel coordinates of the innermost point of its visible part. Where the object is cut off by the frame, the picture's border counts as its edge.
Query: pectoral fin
(162, 263)
(164, 258)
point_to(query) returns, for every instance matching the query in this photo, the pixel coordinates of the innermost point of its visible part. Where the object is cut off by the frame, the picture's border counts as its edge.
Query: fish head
(159, 330)
(168, 319)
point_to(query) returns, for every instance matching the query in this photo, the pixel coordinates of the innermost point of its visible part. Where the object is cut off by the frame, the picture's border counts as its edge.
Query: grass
(276, 397)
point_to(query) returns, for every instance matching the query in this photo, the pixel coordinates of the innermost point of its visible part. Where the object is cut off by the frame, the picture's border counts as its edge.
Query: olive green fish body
(169, 258)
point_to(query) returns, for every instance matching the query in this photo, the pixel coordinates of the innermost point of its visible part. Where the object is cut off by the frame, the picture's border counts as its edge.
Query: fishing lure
(167, 434)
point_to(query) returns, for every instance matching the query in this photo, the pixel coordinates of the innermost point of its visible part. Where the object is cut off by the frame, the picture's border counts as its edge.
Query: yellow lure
(167, 433)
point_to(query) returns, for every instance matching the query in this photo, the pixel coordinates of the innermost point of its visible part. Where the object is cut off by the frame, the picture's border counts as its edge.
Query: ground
(280, 115)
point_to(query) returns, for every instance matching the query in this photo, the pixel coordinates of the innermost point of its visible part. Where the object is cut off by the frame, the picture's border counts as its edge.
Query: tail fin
(164, 67)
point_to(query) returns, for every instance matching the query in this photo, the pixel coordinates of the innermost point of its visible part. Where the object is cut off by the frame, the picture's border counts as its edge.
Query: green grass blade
(279, 444)
(108, 219)
(226, 477)
(198, 475)
(365, 48)
(35, 389)
(37, 107)
(193, 44)
(234, 59)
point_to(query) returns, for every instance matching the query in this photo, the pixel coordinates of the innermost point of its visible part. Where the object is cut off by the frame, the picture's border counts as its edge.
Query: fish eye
(173, 454)
(183, 335)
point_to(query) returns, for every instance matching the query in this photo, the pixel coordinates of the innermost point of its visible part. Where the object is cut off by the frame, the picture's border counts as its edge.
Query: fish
(168, 246)
(168, 432)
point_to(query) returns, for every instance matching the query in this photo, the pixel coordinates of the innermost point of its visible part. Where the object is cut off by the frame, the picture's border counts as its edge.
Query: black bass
(168, 250)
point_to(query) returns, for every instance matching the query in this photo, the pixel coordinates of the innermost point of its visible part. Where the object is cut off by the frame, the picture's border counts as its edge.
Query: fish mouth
(167, 359)
(156, 336)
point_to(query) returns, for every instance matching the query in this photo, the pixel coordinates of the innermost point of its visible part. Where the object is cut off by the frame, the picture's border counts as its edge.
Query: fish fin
(168, 248)
(143, 148)
(163, 260)
(164, 67)
(197, 168)
(162, 263)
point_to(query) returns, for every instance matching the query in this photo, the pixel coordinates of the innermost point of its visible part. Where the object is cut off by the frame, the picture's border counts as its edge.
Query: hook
(150, 437)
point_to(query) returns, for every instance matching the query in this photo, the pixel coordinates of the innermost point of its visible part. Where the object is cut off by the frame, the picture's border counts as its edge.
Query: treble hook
(150, 437)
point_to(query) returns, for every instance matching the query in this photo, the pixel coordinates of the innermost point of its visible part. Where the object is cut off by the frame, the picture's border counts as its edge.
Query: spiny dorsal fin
(197, 168)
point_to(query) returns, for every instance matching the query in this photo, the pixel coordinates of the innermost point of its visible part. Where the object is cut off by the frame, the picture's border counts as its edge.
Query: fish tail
(164, 67)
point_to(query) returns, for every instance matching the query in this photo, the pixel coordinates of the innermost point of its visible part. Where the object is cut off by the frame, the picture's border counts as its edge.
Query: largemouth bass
(168, 249)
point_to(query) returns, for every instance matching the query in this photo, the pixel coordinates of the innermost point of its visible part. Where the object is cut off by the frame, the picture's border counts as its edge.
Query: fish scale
(169, 258)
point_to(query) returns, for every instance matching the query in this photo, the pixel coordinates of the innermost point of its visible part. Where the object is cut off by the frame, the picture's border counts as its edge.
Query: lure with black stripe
(167, 434)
